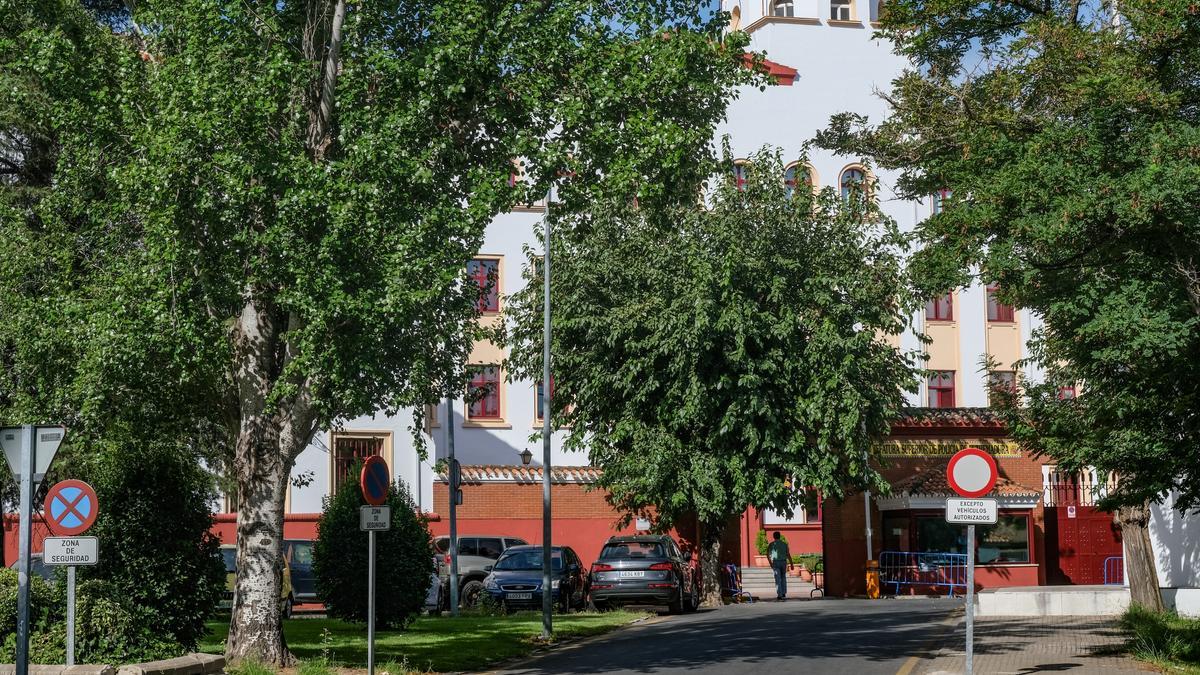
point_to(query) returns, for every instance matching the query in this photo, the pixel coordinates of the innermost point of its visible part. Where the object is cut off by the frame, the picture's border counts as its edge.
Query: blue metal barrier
(909, 568)
(1114, 571)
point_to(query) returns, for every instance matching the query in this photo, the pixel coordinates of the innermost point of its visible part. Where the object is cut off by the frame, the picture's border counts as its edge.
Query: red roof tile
(518, 473)
(933, 483)
(784, 76)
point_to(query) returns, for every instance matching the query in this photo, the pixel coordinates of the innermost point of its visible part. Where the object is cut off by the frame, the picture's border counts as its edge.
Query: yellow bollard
(873, 579)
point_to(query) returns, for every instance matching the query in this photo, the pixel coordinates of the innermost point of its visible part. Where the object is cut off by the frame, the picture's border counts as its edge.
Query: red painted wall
(12, 534)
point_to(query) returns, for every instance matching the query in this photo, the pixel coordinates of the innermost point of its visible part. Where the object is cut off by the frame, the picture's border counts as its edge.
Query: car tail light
(600, 587)
(661, 585)
(601, 567)
(661, 567)
(447, 559)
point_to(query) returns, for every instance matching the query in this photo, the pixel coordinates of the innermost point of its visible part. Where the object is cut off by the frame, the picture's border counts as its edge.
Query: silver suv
(475, 552)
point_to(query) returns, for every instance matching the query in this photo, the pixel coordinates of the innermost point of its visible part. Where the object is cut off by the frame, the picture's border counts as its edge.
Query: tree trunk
(1141, 574)
(256, 628)
(710, 565)
(267, 443)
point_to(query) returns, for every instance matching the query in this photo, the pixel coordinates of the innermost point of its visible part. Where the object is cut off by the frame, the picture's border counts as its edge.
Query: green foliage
(761, 542)
(403, 559)
(109, 628)
(1068, 137)
(808, 561)
(705, 357)
(157, 551)
(1163, 638)
(203, 234)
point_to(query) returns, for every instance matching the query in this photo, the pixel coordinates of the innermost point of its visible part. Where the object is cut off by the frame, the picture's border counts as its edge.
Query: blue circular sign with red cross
(375, 480)
(71, 507)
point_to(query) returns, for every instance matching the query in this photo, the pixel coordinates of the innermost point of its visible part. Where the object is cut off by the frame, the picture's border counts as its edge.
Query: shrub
(762, 541)
(1164, 638)
(156, 548)
(403, 559)
(109, 627)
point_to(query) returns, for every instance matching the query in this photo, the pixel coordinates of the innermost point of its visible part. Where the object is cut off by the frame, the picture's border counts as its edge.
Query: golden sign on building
(946, 448)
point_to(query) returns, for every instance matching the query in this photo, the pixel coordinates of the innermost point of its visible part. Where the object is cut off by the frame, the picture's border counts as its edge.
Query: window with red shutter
(485, 272)
(940, 309)
(941, 389)
(484, 398)
(997, 310)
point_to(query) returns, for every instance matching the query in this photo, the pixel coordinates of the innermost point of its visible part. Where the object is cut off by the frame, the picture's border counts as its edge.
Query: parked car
(37, 568)
(648, 569)
(475, 553)
(516, 579)
(433, 597)
(299, 555)
(229, 555)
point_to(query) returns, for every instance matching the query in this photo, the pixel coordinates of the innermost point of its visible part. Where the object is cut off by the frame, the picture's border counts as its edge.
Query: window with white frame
(783, 8)
(840, 10)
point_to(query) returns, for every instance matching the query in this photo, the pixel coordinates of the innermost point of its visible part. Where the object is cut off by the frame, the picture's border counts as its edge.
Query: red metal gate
(1078, 539)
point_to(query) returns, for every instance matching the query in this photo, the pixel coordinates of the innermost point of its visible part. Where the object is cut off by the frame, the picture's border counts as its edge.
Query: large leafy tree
(708, 359)
(1068, 135)
(247, 220)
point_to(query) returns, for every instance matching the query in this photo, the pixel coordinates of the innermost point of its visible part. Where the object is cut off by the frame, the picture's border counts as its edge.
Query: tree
(251, 219)
(709, 359)
(1067, 133)
(403, 559)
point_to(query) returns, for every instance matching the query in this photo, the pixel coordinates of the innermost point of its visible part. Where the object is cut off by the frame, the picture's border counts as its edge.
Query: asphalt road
(838, 637)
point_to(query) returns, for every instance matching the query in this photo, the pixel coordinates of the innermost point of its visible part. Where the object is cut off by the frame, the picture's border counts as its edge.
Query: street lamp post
(547, 551)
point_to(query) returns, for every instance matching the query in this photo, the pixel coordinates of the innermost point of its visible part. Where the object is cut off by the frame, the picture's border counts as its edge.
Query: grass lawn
(1167, 640)
(439, 644)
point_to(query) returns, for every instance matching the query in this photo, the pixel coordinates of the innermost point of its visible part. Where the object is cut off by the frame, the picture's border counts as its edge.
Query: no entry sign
(971, 472)
(375, 480)
(71, 507)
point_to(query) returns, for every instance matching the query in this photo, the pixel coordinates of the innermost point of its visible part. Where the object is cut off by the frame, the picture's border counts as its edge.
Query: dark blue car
(515, 581)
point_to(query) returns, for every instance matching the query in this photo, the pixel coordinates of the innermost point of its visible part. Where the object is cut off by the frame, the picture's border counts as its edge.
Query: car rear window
(517, 542)
(441, 545)
(490, 548)
(230, 556)
(633, 549)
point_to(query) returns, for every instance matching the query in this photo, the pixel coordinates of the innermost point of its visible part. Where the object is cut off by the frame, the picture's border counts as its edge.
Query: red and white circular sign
(972, 472)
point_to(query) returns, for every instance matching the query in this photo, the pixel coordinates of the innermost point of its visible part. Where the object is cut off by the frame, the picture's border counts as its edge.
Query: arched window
(854, 184)
(796, 174)
(940, 199)
(841, 10)
(783, 8)
(739, 174)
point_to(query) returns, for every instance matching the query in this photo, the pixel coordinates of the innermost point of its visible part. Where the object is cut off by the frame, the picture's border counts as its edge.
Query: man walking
(781, 562)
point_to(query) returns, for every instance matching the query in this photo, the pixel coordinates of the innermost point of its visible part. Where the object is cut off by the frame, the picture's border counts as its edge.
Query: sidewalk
(1009, 645)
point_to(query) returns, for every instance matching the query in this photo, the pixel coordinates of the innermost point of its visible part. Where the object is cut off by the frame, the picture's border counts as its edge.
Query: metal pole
(453, 507)
(371, 602)
(867, 510)
(23, 549)
(547, 552)
(70, 615)
(970, 599)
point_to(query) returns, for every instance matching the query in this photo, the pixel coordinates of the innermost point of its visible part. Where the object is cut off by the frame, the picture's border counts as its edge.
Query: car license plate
(519, 596)
(631, 574)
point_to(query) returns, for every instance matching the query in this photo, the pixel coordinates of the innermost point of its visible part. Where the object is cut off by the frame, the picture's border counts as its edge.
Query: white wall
(1175, 537)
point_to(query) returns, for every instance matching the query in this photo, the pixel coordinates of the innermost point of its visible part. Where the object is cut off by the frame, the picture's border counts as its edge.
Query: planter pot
(805, 575)
(796, 571)
(761, 561)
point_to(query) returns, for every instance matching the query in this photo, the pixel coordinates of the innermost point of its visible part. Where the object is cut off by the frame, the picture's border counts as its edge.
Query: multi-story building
(825, 59)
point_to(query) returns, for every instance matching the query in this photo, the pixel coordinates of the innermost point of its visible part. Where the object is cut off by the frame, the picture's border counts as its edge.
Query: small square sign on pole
(374, 518)
(971, 511)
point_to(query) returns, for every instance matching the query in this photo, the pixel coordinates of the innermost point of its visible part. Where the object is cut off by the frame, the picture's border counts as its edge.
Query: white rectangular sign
(971, 511)
(374, 518)
(71, 551)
